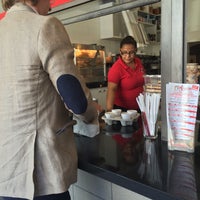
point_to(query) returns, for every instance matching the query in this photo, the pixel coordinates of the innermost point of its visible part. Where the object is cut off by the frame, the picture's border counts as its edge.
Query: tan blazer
(34, 51)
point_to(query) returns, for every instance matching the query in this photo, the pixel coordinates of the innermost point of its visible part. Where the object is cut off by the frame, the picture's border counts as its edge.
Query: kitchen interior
(167, 40)
(96, 41)
(100, 25)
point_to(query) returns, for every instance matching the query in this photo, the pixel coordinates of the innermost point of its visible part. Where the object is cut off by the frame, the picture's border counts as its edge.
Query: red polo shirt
(130, 82)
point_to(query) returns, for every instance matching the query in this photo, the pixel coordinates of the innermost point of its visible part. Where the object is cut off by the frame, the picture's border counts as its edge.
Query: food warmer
(90, 60)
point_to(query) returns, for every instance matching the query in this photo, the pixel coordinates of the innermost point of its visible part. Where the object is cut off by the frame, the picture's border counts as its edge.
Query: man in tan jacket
(39, 87)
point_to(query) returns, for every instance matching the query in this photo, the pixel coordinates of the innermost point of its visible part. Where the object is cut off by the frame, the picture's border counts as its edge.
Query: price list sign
(182, 102)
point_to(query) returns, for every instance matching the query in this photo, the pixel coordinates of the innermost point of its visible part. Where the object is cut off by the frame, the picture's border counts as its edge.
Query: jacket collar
(21, 7)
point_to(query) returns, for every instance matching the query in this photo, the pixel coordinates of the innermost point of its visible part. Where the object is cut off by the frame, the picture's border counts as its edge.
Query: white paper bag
(89, 130)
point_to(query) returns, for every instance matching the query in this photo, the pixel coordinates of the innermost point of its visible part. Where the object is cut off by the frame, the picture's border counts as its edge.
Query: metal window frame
(173, 50)
(105, 11)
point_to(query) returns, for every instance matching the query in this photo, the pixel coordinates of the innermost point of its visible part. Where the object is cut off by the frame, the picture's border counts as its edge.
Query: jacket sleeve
(56, 54)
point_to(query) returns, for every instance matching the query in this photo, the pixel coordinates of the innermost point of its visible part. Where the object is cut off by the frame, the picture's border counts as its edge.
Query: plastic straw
(149, 106)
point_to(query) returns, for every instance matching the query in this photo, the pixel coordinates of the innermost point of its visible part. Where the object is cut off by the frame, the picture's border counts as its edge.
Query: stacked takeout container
(152, 83)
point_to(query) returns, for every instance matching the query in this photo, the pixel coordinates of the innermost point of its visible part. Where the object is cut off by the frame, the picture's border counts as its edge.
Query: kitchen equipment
(90, 61)
(152, 83)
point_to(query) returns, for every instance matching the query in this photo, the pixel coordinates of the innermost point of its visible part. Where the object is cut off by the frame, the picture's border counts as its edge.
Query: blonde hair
(7, 4)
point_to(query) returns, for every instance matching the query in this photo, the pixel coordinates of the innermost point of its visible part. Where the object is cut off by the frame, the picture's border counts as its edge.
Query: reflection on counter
(121, 155)
(181, 175)
(149, 168)
(128, 144)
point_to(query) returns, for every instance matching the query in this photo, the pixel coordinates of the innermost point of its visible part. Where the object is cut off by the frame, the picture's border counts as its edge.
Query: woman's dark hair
(128, 40)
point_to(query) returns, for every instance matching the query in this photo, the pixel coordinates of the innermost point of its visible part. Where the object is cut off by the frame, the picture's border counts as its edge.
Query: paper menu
(181, 105)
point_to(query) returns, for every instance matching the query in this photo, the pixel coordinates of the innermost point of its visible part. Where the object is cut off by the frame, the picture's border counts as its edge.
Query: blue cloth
(72, 93)
(61, 196)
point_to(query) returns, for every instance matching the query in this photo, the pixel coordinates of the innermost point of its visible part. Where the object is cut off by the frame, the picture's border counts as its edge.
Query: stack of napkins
(89, 130)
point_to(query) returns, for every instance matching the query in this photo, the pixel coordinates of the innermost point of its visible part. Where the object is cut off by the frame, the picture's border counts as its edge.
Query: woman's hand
(98, 108)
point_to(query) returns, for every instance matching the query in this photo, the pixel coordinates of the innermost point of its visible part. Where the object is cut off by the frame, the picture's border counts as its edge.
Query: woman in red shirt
(125, 78)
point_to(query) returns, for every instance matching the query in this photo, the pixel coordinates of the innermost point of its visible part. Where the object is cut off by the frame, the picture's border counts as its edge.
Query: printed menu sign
(182, 101)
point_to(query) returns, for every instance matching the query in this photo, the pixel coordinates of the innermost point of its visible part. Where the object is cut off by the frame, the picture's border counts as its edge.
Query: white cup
(117, 112)
(126, 116)
(109, 115)
(132, 112)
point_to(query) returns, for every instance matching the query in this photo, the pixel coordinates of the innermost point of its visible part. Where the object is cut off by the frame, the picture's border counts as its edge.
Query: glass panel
(108, 30)
(192, 37)
(192, 48)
